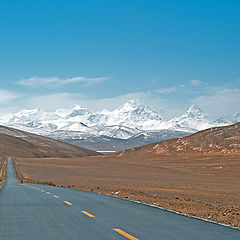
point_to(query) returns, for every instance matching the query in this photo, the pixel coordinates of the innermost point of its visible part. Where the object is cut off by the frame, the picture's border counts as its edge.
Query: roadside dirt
(3, 171)
(204, 186)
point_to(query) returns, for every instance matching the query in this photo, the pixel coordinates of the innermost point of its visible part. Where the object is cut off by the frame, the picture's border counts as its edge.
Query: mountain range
(130, 125)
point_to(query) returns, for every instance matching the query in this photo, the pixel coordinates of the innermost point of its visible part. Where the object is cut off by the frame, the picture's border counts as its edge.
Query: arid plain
(197, 175)
(207, 187)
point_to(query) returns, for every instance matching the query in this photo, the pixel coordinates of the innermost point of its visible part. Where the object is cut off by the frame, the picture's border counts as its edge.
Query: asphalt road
(44, 212)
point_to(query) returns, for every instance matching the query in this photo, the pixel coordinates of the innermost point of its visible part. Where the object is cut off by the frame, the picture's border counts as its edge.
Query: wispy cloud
(56, 82)
(195, 82)
(51, 102)
(8, 96)
(216, 100)
(220, 102)
(166, 90)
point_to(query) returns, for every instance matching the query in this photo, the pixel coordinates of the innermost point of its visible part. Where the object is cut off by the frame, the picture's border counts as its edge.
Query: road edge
(30, 181)
(2, 185)
(4, 181)
(148, 205)
(169, 210)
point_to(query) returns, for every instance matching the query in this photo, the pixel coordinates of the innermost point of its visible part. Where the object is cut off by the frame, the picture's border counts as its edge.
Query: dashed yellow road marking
(125, 234)
(48, 193)
(55, 196)
(42, 191)
(88, 214)
(68, 203)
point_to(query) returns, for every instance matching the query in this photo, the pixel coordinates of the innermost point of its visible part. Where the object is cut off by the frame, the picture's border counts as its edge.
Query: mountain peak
(78, 107)
(236, 115)
(194, 107)
(133, 102)
(130, 105)
(28, 112)
(73, 111)
(132, 113)
(77, 110)
(195, 111)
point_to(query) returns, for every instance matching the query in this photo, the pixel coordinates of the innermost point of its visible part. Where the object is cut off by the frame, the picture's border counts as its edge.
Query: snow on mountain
(129, 121)
(133, 114)
(229, 120)
(236, 117)
(117, 131)
(193, 120)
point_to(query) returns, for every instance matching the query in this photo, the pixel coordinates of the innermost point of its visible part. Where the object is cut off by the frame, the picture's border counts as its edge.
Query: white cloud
(163, 105)
(55, 82)
(216, 101)
(221, 102)
(166, 90)
(7, 96)
(195, 82)
(51, 102)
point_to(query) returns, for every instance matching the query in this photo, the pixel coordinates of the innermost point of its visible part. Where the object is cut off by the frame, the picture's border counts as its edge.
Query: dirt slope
(16, 143)
(219, 140)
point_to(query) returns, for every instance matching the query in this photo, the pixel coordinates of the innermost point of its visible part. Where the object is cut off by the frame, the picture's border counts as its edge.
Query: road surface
(44, 212)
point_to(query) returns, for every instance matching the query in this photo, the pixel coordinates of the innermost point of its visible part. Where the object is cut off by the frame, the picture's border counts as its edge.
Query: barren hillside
(16, 143)
(218, 140)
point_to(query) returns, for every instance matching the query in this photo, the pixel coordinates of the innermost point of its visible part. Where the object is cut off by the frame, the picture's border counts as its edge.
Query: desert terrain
(207, 187)
(197, 175)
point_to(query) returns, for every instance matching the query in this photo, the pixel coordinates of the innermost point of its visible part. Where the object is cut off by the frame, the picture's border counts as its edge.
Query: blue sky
(169, 54)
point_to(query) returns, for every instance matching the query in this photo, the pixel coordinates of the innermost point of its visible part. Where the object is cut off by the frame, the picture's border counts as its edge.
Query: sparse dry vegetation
(203, 183)
(205, 187)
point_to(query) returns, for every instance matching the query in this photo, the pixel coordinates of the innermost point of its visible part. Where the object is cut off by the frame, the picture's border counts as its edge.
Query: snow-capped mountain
(130, 122)
(194, 119)
(229, 120)
(131, 114)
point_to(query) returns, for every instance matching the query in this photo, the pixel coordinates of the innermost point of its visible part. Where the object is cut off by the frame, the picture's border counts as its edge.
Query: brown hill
(219, 140)
(16, 143)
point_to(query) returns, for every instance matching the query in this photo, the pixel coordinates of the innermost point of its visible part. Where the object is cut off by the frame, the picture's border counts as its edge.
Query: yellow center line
(68, 203)
(125, 234)
(55, 196)
(42, 191)
(88, 214)
(48, 193)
